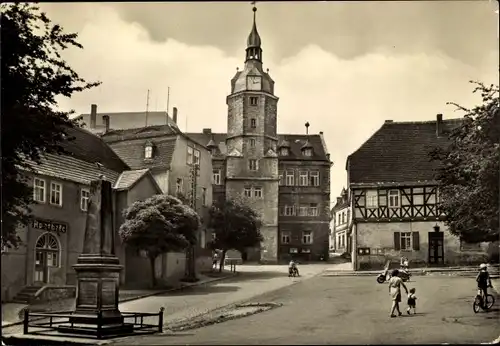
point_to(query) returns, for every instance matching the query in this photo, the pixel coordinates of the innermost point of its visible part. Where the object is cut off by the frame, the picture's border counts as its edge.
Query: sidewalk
(345, 269)
(11, 311)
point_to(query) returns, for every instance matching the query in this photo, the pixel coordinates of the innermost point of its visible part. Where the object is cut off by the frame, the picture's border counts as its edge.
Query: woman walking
(395, 284)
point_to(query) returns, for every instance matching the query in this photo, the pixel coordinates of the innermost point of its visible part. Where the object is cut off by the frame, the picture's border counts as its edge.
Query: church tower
(252, 160)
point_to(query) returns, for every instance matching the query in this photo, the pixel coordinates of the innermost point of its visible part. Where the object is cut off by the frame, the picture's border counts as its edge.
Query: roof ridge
(390, 122)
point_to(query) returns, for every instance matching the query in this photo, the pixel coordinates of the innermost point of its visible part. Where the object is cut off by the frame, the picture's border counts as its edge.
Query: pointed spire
(254, 52)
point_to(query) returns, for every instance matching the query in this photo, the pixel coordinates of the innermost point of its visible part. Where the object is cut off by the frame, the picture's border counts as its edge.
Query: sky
(344, 67)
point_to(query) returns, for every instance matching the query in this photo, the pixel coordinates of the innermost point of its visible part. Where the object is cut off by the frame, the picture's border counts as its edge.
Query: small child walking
(412, 301)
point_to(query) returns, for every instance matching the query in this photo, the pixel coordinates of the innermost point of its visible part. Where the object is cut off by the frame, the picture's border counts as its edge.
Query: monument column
(98, 268)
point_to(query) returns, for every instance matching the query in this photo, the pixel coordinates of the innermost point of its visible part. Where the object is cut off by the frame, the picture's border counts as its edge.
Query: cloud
(346, 99)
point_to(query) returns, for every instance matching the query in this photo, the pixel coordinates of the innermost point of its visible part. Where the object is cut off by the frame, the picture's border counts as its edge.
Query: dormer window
(148, 151)
(308, 152)
(284, 151)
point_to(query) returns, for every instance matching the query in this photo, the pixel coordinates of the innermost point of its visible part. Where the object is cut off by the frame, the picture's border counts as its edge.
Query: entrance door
(436, 250)
(41, 267)
(46, 255)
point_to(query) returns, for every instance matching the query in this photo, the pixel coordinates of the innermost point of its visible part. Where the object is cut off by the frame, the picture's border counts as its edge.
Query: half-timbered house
(395, 199)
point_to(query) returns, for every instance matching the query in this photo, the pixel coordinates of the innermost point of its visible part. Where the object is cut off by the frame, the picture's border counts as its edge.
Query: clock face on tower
(254, 83)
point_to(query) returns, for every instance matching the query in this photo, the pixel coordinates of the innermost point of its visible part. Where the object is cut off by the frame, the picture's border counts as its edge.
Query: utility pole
(190, 274)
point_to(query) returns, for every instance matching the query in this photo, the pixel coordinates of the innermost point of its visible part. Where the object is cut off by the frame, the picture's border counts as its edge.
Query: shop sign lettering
(50, 226)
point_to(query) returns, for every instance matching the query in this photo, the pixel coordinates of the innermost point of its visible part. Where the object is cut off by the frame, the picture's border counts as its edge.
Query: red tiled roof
(91, 148)
(398, 152)
(296, 143)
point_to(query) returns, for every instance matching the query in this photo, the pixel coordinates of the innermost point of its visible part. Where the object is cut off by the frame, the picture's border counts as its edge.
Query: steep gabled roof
(399, 153)
(90, 148)
(296, 143)
(132, 152)
(128, 179)
(70, 168)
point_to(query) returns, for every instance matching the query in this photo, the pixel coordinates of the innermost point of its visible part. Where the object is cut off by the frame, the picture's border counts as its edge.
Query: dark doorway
(436, 248)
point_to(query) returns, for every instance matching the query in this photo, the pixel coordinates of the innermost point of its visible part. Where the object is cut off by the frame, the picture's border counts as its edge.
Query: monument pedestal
(97, 297)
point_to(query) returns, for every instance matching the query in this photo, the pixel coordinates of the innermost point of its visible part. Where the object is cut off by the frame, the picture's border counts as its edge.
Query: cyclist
(483, 280)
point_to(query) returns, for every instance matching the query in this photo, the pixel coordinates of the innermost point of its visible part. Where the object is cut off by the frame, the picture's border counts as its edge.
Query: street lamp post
(190, 273)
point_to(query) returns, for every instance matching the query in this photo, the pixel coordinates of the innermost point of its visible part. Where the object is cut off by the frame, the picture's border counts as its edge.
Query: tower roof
(254, 38)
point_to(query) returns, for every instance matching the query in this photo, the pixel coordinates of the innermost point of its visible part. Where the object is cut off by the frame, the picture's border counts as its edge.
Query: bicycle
(484, 302)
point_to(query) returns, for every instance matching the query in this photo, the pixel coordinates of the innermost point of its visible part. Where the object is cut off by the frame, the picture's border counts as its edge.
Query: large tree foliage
(469, 174)
(158, 225)
(33, 75)
(236, 226)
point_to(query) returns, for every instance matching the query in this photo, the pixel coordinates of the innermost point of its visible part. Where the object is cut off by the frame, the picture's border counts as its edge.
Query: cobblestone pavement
(351, 310)
(190, 302)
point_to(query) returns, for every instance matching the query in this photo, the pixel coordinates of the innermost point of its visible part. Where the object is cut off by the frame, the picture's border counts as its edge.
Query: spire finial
(307, 128)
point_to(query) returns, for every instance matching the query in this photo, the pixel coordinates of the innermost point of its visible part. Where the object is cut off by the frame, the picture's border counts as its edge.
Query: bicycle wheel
(490, 300)
(476, 305)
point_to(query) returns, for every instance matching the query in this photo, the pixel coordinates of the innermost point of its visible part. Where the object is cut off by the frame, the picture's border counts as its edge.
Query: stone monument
(98, 270)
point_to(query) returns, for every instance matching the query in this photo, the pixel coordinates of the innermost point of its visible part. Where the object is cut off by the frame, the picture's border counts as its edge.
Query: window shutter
(397, 241)
(416, 241)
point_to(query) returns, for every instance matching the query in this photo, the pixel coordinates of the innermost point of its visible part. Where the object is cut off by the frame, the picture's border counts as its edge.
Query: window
(303, 210)
(84, 199)
(339, 242)
(308, 152)
(257, 192)
(282, 181)
(190, 155)
(247, 192)
(394, 199)
(204, 196)
(148, 152)
(371, 199)
(290, 178)
(178, 186)
(406, 241)
(196, 157)
(284, 151)
(285, 237)
(253, 165)
(303, 178)
(313, 209)
(289, 210)
(314, 178)
(254, 101)
(56, 194)
(252, 142)
(253, 123)
(307, 237)
(214, 236)
(216, 174)
(343, 217)
(39, 190)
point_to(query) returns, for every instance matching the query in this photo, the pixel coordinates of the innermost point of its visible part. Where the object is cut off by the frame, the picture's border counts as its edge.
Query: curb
(126, 300)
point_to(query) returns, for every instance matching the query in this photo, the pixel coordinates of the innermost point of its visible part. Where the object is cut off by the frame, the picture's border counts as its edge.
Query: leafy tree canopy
(469, 174)
(236, 226)
(158, 225)
(34, 74)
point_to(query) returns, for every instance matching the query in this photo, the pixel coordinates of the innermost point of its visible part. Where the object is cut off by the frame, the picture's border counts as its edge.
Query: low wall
(51, 293)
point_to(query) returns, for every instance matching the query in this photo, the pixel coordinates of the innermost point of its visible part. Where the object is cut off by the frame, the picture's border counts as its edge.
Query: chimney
(439, 124)
(207, 131)
(320, 132)
(174, 116)
(105, 120)
(389, 121)
(93, 116)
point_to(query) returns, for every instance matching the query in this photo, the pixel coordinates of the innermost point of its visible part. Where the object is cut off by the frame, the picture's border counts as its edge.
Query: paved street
(253, 280)
(348, 310)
